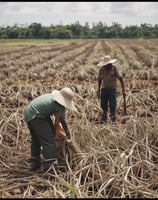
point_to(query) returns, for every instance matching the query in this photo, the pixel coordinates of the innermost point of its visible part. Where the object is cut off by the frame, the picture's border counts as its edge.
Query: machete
(124, 104)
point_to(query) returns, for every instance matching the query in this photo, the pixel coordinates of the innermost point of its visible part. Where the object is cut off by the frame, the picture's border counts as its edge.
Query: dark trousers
(108, 99)
(42, 138)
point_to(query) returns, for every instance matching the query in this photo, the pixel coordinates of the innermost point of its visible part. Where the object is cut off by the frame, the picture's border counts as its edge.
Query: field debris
(102, 160)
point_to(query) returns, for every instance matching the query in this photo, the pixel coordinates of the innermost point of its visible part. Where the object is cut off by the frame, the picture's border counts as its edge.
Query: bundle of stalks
(70, 143)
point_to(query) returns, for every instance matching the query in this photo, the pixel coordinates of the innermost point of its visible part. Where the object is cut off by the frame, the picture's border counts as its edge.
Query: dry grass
(114, 160)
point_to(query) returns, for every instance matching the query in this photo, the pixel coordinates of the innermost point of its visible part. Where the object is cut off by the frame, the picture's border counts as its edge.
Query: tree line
(78, 31)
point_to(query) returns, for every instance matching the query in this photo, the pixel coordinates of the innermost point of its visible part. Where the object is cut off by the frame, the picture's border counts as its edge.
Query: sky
(67, 13)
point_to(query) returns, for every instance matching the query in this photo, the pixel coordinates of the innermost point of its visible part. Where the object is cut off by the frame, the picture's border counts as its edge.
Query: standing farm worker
(107, 86)
(37, 115)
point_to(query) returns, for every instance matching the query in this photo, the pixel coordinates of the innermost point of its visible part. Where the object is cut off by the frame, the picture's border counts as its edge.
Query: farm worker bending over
(107, 83)
(42, 129)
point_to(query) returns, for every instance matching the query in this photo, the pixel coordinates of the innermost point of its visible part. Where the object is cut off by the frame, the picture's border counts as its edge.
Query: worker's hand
(69, 140)
(68, 137)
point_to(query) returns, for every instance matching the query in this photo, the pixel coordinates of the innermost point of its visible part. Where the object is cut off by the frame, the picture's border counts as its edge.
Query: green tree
(35, 29)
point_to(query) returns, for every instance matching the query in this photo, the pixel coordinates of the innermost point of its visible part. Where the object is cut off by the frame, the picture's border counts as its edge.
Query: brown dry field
(116, 160)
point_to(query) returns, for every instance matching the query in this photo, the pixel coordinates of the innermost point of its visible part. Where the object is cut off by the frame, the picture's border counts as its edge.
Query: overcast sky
(67, 13)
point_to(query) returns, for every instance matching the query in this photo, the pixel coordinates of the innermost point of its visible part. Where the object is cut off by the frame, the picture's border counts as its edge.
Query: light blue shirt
(42, 107)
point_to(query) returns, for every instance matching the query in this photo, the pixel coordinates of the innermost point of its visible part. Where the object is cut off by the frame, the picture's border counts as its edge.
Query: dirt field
(116, 160)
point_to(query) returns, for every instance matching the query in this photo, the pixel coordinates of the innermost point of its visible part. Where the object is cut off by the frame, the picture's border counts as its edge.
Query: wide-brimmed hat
(106, 60)
(64, 97)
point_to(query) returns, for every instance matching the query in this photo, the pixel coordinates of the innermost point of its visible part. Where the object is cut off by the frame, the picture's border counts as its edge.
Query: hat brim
(102, 63)
(63, 101)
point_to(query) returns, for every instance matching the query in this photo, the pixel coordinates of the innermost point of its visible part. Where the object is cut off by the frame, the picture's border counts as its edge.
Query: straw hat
(106, 60)
(64, 97)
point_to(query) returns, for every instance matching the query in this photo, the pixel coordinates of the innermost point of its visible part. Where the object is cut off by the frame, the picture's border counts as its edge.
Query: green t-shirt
(42, 107)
